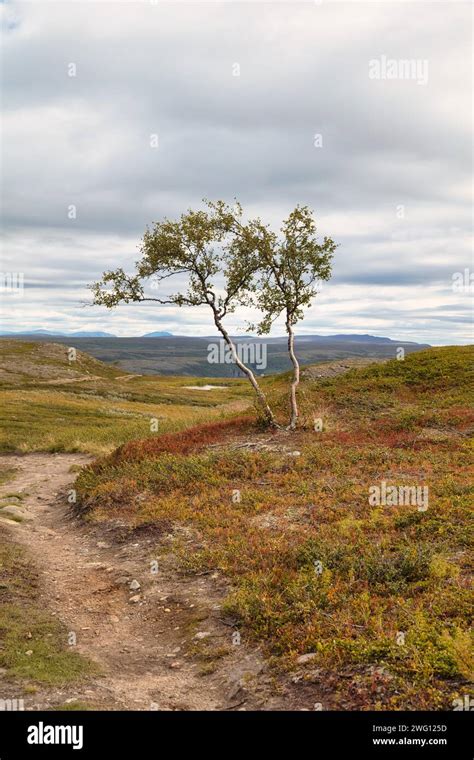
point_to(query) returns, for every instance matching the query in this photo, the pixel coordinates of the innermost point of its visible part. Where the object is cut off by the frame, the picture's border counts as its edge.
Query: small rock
(202, 635)
(29, 652)
(135, 599)
(304, 658)
(134, 585)
(103, 545)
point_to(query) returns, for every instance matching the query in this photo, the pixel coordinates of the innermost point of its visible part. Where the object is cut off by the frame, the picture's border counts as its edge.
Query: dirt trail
(143, 640)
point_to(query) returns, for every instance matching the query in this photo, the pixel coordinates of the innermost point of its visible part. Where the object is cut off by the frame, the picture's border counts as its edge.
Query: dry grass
(314, 566)
(51, 404)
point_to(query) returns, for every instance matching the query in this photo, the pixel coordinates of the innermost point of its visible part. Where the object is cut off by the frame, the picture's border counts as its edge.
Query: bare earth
(144, 640)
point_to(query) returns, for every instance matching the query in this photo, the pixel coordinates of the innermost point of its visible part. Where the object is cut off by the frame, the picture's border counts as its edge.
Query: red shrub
(184, 442)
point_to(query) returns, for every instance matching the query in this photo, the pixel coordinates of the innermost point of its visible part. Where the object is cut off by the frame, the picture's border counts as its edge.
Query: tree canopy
(226, 262)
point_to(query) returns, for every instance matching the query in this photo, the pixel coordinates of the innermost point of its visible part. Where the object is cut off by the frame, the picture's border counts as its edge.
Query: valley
(194, 356)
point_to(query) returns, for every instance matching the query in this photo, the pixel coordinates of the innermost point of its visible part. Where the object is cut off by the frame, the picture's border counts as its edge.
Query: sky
(117, 114)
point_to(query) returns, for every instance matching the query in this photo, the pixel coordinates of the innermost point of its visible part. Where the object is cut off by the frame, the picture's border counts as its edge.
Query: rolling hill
(49, 403)
(179, 355)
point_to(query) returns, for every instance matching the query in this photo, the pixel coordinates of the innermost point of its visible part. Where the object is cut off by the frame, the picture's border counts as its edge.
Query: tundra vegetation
(224, 262)
(379, 596)
(49, 403)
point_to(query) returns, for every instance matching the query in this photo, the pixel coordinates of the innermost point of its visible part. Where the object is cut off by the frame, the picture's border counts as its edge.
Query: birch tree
(292, 267)
(213, 253)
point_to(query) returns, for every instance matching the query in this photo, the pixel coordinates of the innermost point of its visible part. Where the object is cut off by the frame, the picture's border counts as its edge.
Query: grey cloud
(143, 69)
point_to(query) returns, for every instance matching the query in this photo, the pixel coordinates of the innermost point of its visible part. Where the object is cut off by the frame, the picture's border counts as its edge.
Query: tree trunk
(268, 414)
(296, 375)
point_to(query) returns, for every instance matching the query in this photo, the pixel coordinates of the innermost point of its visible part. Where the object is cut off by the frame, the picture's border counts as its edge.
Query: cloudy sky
(273, 103)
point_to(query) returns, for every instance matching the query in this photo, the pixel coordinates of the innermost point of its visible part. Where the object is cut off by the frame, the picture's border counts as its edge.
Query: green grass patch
(33, 644)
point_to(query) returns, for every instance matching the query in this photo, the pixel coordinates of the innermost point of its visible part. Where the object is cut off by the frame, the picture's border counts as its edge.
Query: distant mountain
(360, 338)
(349, 338)
(79, 334)
(86, 334)
(82, 334)
(29, 332)
(183, 355)
(323, 339)
(314, 339)
(158, 334)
